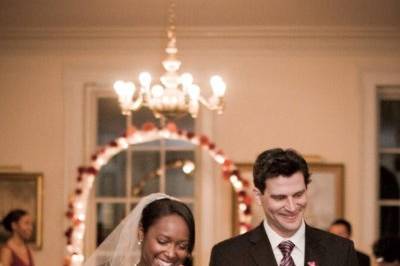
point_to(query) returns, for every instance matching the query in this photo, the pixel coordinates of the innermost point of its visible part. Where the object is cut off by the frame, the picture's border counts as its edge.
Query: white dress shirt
(298, 239)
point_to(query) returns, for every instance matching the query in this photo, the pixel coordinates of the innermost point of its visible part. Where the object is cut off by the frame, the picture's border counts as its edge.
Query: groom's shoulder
(239, 241)
(327, 237)
(233, 241)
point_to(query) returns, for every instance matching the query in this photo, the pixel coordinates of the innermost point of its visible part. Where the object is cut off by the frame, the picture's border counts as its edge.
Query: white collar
(298, 238)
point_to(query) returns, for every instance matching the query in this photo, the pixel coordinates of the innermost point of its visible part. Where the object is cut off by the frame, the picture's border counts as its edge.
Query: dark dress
(16, 261)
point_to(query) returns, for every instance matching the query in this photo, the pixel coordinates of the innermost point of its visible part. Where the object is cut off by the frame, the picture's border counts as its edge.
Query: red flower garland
(76, 209)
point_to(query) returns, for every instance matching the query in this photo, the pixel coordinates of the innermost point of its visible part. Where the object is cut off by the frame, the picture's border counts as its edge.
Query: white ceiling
(198, 13)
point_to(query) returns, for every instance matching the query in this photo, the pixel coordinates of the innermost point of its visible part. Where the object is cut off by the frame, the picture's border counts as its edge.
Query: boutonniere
(312, 263)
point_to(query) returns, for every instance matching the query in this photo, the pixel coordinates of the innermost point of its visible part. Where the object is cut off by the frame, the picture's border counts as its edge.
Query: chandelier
(176, 93)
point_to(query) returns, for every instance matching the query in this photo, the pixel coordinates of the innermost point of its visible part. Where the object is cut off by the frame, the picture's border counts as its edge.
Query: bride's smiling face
(166, 242)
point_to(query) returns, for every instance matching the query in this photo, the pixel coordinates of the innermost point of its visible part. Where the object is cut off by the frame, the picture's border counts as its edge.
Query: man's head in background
(341, 227)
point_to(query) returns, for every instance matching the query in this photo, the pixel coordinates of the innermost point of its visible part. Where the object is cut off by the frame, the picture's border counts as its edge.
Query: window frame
(370, 80)
(385, 93)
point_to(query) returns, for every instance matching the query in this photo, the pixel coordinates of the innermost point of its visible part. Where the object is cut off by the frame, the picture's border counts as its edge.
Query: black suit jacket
(254, 249)
(363, 259)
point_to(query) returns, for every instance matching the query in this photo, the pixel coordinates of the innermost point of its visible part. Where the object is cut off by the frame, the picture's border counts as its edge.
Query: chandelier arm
(135, 105)
(207, 104)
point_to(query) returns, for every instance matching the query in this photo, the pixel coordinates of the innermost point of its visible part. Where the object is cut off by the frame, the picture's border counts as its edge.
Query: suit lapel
(262, 253)
(261, 250)
(315, 251)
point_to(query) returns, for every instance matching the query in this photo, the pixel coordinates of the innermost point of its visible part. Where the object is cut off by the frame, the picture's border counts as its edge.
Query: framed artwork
(325, 194)
(20, 190)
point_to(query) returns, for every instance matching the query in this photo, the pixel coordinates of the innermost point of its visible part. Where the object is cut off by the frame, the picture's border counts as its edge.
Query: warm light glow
(177, 94)
(81, 216)
(145, 79)
(238, 185)
(76, 259)
(218, 86)
(123, 143)
(186, 79)
(124, 89)
(233, 178)
(194, 91)
(157, 90)
(242, 206)
(119, 87)
(219, 158)
(188, 167)
(79, 205)
(100, 162)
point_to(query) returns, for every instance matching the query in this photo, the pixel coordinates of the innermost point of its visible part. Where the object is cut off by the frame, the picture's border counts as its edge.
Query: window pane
(390, 221)
(169, 144)
(110, 121)
(178, 183)
(111, 178)
(390, 123)
(389, 176)
(108, 217)
(186, 122)
(145, 179)
(153, 145)
(144, 115)
(179, 144)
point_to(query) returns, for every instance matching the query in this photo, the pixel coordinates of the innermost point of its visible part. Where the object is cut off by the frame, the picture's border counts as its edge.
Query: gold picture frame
(21, 190)
(322, 208)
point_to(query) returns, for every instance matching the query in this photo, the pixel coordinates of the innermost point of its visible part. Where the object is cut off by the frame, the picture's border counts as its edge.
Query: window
(135, 172)
(389, 160)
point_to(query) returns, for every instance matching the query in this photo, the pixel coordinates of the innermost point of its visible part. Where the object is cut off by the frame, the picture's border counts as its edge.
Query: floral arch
(76, 212)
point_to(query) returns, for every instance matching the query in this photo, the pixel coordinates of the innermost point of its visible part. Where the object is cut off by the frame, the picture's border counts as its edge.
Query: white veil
(121, 247)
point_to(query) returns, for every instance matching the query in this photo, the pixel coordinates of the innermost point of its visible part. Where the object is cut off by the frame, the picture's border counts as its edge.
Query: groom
(280, 179)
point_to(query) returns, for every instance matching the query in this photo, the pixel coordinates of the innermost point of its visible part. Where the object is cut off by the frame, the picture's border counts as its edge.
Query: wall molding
(201, 32)
(232, 41)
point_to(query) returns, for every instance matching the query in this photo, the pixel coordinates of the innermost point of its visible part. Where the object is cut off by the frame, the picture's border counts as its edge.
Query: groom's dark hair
(278, 162)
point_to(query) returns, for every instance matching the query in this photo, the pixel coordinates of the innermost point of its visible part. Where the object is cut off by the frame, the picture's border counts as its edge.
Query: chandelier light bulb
(186, 79)
(157, 90)
(145, 79)
(171, 65)
(119, 87)
(124, 89)
(218, 86)
(130, 87)
(194, 91)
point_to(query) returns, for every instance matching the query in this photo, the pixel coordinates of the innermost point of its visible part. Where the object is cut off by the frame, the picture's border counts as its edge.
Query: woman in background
(387, 251)
(159, 231)
(16, 252)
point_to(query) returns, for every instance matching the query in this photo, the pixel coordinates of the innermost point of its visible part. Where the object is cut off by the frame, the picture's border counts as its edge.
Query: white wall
(283, 90)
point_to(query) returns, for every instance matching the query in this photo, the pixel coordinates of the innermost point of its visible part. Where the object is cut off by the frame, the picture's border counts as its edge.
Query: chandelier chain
(171, 30)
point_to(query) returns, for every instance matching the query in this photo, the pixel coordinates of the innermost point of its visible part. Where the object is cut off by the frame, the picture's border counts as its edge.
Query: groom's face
(284, 201)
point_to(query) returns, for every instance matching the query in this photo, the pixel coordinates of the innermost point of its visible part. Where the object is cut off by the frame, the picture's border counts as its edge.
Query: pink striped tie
(286, 248)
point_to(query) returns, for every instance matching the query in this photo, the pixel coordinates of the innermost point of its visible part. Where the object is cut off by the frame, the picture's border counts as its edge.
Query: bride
(159, 231)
